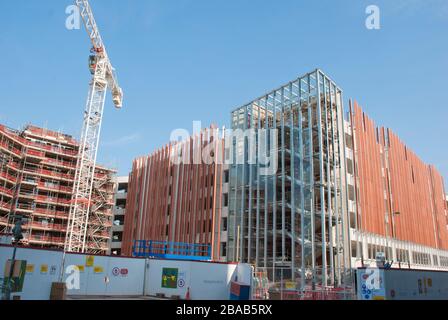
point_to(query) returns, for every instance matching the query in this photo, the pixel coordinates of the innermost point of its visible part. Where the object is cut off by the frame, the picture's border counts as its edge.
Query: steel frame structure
(295, 220)
(103, 78)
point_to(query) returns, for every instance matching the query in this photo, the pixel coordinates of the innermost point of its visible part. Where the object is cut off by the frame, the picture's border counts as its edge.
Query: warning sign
(169, 278)
(90, 260)
(44, 268)
(116, 271)
(98, 269)
(120, 272)
(81, 268)
(53, 269)
(290, 285)
(181, 283)
(29, 268)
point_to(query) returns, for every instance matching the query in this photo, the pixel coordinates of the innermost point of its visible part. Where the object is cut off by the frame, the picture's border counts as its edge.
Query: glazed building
(177, 195)
(37, 169)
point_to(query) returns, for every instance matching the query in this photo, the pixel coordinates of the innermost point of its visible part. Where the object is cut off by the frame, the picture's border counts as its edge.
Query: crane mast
(103, 78)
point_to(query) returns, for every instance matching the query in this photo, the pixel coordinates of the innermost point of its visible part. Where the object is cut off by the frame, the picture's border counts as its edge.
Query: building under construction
(37, 169)
(343, 191)
(293, 222)
(304, 194)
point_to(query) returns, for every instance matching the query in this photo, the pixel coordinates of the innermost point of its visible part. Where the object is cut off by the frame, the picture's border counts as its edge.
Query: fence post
(150, 248)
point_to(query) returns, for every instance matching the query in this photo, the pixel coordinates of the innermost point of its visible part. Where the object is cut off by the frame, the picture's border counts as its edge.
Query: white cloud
(123, 140)
(437, 8)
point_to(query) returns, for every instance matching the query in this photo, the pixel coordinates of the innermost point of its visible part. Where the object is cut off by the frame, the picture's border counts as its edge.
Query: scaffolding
(36, 185)
(293, 223)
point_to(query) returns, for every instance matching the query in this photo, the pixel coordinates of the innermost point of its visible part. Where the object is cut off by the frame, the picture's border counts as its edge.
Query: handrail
(163, 249)
(8, 176)
(51, 213)
(42, 185)
(7, 191)
(53, 200)
(59, 162)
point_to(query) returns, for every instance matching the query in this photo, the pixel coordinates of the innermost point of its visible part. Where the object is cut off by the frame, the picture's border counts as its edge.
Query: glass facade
(288, 195)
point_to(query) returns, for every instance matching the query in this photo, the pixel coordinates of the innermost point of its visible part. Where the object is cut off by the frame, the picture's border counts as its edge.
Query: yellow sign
(44, 268)
(29, 268)
(90, 260)
(80, 268)
(379, 298)
(98, 269)
(290, 285)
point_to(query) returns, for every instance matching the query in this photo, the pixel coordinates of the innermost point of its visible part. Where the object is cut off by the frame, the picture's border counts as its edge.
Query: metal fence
(278, 284)
(171, 250)
(6, 288)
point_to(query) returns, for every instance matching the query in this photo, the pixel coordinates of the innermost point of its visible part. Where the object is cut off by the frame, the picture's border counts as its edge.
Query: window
(223, 249)
(349, 166)
(371, 253)
(226, 200)
(349, 141)
(354, 248)
(351, 192)
(224, 224)
(226, 176)
(116, 236)
(435, 260)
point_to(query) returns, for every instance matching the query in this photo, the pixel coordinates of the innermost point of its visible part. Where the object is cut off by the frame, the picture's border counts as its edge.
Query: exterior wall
(136, 277)
(398, 195)
(403, 285)
(224, 223)
(371, 199)
(205, 280)
(294, 220)
(401, 254)
(36, 182)
(175, 196)
(440, 208)
(119, 211)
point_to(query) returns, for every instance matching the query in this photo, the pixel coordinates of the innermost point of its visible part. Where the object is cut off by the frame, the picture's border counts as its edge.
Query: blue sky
(185, 60)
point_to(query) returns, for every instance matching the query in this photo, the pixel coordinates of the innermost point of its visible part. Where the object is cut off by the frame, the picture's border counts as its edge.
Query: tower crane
(103, 78)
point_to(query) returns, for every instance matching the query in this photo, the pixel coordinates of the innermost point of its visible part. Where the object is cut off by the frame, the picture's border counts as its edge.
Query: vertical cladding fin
(439, 203)
(369, 173)
(411, 195)
(164, 193)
